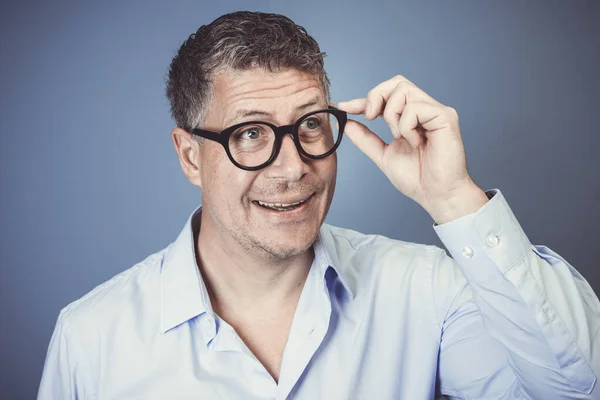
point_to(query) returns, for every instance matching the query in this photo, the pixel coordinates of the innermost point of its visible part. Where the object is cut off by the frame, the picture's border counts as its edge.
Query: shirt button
(492, 241)
(467, 252)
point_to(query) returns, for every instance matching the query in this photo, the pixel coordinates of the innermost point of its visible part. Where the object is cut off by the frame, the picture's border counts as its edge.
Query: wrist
(459, 203)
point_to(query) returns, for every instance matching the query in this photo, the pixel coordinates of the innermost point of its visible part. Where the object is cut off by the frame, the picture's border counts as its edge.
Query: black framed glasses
(253, 145)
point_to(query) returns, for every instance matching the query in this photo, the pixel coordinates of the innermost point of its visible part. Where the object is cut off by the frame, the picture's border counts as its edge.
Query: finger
(427, 116)
(367, 141)
(403, 93)
(356, 106)
(378, 96)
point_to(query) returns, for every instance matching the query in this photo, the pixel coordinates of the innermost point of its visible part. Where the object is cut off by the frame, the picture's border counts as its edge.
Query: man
(258, 298)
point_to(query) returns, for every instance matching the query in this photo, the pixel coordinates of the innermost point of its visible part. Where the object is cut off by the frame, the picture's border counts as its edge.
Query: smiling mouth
(281, 206)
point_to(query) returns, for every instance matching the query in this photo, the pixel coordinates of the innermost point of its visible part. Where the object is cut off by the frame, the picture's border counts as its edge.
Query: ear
(188, 151)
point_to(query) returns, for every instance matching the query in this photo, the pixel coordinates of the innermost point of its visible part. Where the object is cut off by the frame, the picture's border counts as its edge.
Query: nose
(289, 164)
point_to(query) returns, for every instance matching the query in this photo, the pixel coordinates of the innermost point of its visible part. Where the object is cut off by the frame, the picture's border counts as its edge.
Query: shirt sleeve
(63, 374)
(524, 323)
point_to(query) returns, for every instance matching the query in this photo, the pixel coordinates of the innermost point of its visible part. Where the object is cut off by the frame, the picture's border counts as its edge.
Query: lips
(282, 206)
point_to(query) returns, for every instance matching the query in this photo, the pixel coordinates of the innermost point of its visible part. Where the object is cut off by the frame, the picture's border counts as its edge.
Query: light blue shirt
(377, 319)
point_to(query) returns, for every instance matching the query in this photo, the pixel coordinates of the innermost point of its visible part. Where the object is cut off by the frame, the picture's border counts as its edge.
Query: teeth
(279, 205)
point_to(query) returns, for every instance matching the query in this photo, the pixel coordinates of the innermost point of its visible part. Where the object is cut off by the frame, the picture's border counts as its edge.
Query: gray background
(91, 183)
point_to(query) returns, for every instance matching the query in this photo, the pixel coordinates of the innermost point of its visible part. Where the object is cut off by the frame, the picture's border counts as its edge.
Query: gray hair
(239, 41)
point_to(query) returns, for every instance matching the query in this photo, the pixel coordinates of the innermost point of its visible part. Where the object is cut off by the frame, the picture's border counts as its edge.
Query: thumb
(367, 141)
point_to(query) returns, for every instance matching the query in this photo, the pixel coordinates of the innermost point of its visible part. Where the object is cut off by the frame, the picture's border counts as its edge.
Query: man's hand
(426, 160)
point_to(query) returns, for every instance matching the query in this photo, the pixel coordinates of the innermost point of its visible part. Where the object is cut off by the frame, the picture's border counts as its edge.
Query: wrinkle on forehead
(281, 84)
(269, 91)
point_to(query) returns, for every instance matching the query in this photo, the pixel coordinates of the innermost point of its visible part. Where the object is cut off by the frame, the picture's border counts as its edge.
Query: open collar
(183, 291)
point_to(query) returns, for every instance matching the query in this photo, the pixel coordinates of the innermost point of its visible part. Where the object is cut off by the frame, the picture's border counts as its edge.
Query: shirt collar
(183, 292)
(326, 256)
(325, 260)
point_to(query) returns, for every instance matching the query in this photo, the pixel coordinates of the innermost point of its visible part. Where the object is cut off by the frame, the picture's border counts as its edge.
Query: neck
(242, 282)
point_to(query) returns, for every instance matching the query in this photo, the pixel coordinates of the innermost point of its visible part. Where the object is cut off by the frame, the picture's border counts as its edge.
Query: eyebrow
(244, 113)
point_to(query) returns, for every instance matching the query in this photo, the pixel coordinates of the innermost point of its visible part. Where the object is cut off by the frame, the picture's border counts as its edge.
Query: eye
(310, 123)
(250, 133)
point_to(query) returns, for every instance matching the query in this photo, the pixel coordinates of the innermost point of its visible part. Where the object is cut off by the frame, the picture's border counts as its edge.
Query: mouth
(282, 207)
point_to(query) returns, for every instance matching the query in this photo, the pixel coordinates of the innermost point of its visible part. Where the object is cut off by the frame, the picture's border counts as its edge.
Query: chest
(339, 361)
(266, 341)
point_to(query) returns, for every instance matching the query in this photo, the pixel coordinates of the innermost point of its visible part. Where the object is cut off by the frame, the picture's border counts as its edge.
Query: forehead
(234, 89)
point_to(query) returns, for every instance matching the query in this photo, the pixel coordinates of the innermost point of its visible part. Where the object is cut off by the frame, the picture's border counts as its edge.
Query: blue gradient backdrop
(90, 180)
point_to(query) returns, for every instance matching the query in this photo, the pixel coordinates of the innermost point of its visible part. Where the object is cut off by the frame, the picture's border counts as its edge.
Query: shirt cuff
(490, 234)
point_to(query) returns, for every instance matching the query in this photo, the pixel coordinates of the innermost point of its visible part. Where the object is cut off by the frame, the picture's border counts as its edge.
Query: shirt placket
(308, 330)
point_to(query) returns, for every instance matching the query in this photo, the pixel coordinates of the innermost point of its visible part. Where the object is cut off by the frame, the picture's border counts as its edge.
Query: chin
(281, 249)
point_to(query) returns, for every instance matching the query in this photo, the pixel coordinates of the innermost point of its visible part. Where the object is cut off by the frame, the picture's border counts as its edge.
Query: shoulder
(125, 294)
(349, 246)
(371, 262)
(378, 264)
(383, 271)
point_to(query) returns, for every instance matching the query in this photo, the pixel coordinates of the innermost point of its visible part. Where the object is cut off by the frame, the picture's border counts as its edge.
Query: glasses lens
(251, 145)
(318, 133)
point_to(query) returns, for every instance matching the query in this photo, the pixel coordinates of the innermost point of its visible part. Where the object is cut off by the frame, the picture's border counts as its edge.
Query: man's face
(231, 196)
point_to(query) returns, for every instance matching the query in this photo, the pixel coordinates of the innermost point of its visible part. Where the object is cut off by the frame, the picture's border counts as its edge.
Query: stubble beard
(270, 250)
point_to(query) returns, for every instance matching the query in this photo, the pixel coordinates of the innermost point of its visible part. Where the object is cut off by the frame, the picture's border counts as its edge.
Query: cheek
(328, 171)
(224, 183)
(214, 172)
